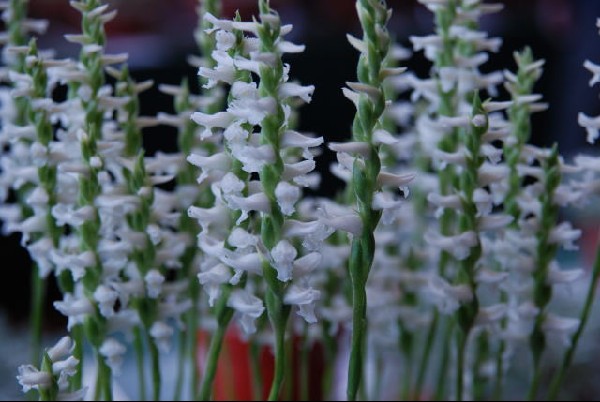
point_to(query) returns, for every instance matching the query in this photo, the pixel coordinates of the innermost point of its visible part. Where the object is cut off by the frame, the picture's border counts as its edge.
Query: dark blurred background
(158, 35)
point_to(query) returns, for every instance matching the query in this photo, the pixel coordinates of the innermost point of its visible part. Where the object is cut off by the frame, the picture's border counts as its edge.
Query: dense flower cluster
(446, 238)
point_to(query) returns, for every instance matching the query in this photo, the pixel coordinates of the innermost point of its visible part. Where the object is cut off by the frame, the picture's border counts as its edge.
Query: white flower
(31, 378)
(448, 297)
(67, 214)
(67, 367)
(565, 235)
(240, 238)
(224, 71)
(75, 308)
(591, 124)
(154, 281)
(287, 196)
(219, 162)
(211, 121)
(162, 334)
(106, 299)
(225, 40)
(255, 202)
(459, 245)
(250, 262)
(61, 349)
(253, 158)
(248, 306)
(294, 139)
(113, 352)
(304, 298)
(212, 279)
(595, 70)
(560, 328)
(283, 255)
(247, 105)
(291, 89)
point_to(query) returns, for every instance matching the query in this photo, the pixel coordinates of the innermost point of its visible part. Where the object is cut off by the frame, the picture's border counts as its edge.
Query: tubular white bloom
(62, 348)
(74, 308)
(306, 264)
(231, 184)
(154, 281)
(350, 148)
(304, 298)
(489, 277)
(216, 216)
(491, 314)
(560, 328)
(459, 245)
(295, 139)
(225, 40)
(595, 70)
(283, 255)
(314, 230)
(249, 308)
(106, 299)
(255, 202)
(212, 279)
(211, 121)
(31, 378)
(287, 196)
(292, 89)
(113, 352)
(251, 262)
(76, 263)
(563, 276)
(591, 124)
(162, 334)
(66, 367)
(565, 235)
(253, 158)
(219, 162)
(240, 238)
(494, 222)
(389, 205)
(350, 223)
(447, 297)
(489, 173)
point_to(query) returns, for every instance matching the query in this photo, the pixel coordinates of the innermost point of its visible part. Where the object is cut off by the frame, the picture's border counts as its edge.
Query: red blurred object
(233, 380)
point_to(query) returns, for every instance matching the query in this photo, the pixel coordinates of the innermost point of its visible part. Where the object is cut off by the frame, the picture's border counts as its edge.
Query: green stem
(107, 385)
(216, 343)
(103, 380)
(499, 381)
(278, 314)
(288, 386)
(462, 339)
(279, 366)
(424, 363)
(37, 306)
(181, 359)
(535, 383)
(305, 365)
(480, 382)
(78, 336)
(257, 380)
(329, 356)
(585, 315)
(138, 345)
(440, 389)
(156, 378)
(408, 376)
(359, 329)
(192, 337)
